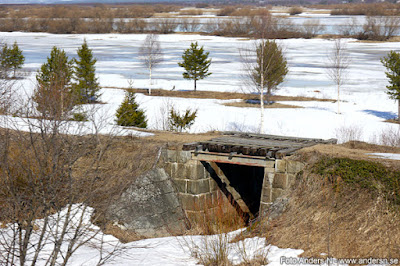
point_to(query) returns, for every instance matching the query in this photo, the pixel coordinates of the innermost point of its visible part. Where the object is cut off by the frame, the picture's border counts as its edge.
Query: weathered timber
(267, 146)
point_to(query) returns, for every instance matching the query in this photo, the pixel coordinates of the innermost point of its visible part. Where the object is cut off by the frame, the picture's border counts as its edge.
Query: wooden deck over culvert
(247, 145)
(251, 170)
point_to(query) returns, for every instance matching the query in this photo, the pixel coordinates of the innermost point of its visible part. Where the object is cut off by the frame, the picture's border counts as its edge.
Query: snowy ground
(164, 251)
(364, 104)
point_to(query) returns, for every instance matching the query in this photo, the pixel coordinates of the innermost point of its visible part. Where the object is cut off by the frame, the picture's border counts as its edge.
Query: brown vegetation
(295, 10)
(224, 95)
(246, 21)
(370, 9)
(252, 105)
(334, 217)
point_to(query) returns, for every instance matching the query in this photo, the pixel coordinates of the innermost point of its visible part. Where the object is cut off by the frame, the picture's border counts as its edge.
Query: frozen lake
(365, 103)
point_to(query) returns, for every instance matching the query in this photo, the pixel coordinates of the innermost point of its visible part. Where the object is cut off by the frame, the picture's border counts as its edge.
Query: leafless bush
(350, 27)
(312, 28)
(189, 25)
(379, 28)
(389, 137)
(43, 198)
(136, 25)
(349, 133)
(162, 115)
(165, 25)
(295, 10)
(371, 9)
(7, 96)
(226, 11)
(191, 12)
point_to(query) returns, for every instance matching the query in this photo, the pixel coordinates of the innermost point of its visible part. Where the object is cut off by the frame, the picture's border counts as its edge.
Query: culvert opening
(241, 184)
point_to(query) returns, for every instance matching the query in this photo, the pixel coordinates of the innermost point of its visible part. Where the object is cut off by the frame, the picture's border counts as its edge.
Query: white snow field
(172, 251)
(364, 104)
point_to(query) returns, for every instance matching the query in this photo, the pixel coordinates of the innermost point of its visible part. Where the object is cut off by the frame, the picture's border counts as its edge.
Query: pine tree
(53, 94)
(196, 63)
(87, 89)
(178, 122)
(11, 59)
(5, 61)
(17, 58)
(392, 63)
(129, 114)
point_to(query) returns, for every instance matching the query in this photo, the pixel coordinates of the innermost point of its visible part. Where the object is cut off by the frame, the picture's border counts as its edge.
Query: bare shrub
(389, 137)
(7, 96)
(350, 27)
(189, 25)
(226, 11)
(371, 9)
(312, 28)
(379, 28)
(295, 10)
(136, 25)
(349, 133)
(165, 25)
(191, 12)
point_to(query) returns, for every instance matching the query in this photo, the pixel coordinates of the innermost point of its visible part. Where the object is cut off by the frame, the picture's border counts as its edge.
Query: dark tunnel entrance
(241, 184)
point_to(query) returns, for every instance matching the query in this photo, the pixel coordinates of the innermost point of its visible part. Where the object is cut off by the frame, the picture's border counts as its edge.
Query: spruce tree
(128, 114)
(53, 94)
(196, 63)
(392, 64)
(5, 61)
(87, 89)
(11, 59)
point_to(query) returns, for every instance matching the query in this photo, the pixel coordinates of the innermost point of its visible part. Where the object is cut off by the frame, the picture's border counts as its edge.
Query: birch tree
(151, 55)
(338, 62)
(265, 67)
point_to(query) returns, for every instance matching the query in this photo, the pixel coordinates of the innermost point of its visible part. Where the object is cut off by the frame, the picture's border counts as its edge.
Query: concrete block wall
(196, 188)
(277, 180)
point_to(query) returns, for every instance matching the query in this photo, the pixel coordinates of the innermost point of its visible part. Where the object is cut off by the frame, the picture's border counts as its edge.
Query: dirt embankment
(345, 204)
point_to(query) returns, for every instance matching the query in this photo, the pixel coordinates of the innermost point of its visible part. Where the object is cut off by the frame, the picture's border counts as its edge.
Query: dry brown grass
(356, 224)
(221, 95)
(342, 221)
(251, 105)
(356, 150)
(124, 236)
(394, 121)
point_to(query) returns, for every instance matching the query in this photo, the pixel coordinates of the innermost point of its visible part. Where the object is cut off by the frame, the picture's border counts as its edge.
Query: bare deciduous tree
(151, 54)
(44, 197)
(312, 27)
(338, 62)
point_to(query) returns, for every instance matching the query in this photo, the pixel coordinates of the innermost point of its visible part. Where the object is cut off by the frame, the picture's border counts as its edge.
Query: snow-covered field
(364, 103)
(96, 247)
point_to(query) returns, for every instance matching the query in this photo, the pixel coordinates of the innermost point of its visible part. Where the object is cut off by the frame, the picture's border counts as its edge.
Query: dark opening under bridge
(251, 170)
